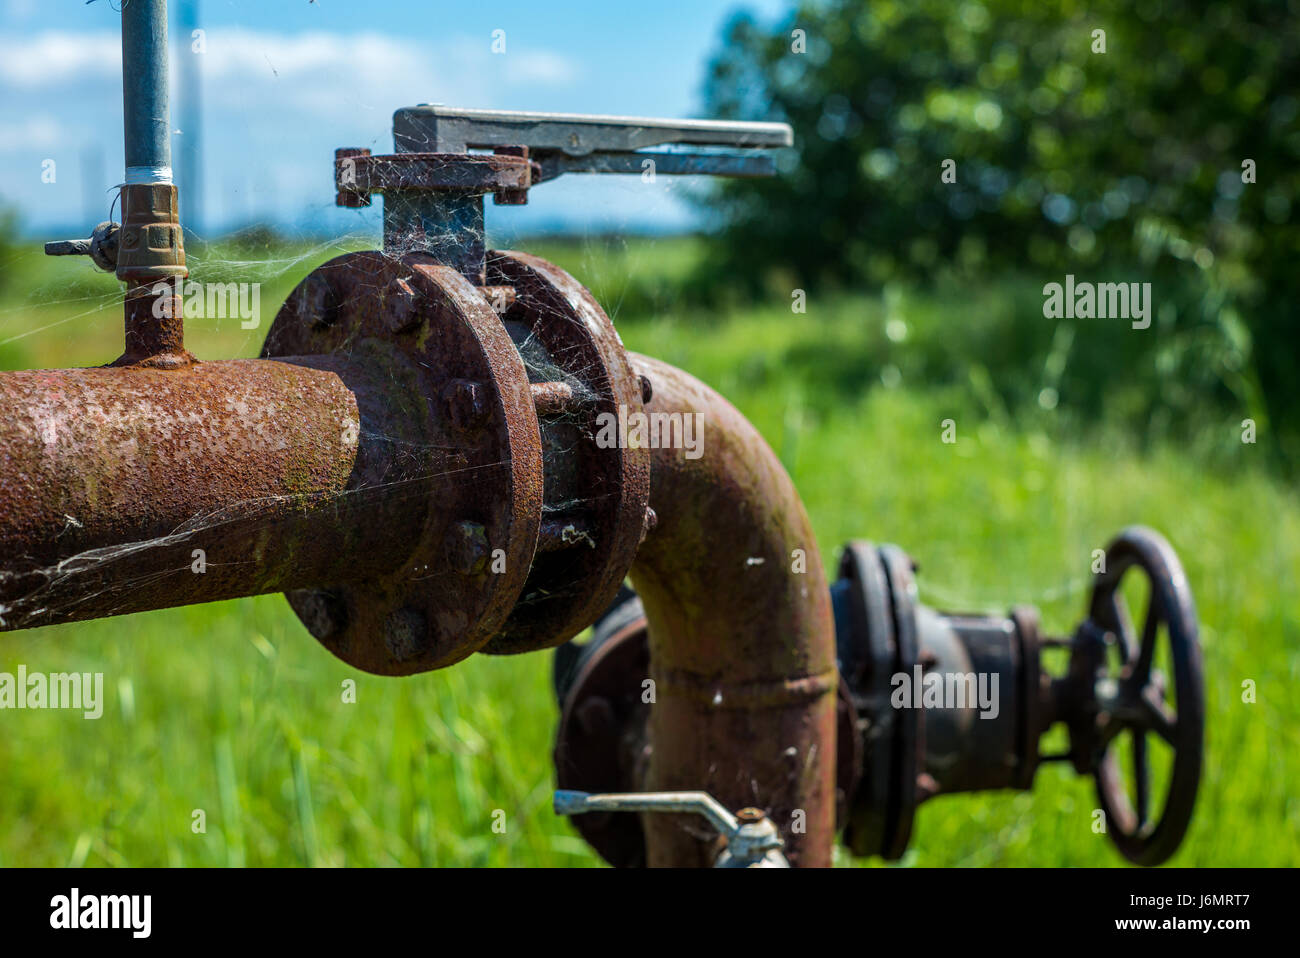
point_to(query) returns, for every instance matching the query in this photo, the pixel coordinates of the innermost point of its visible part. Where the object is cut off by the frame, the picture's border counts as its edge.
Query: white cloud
(314, 70)
(539, 67)
(235, 53)
(517, 67)
(35, 132)
(56, 57)
(275, 105)
(320, 73)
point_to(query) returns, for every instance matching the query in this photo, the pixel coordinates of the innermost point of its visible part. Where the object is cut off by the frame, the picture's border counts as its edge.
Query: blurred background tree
(1122, 165)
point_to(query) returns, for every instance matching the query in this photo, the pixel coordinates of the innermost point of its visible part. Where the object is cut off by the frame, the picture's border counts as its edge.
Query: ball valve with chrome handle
(750, 838)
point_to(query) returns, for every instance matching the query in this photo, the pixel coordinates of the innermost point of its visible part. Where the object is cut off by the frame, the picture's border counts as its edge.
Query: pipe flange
(909, 732)
(876, 633)
(600, 742)
(597, 493)
(1035, 686)
(437, 346)
(867, 652)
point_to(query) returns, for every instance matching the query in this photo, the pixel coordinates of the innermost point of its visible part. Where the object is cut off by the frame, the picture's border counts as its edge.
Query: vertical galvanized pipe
(144, 91)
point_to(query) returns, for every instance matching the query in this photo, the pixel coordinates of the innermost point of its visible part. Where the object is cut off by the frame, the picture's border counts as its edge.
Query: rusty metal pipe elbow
(742, 641)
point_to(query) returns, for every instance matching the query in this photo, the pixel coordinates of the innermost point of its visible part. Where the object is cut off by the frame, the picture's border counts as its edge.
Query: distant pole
(191, 119)
(95, 198)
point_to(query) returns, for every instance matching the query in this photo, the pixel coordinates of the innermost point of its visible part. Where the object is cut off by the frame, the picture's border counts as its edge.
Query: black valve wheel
(1133, 697)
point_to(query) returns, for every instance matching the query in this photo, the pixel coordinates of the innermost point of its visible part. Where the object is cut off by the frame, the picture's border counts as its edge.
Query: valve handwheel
(1133, 700)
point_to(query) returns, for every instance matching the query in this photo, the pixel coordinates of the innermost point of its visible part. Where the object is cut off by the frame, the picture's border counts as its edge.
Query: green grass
(233, 709)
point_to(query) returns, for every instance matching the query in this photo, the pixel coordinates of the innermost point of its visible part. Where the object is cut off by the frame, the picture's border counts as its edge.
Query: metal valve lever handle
(591, 143)
(752, 839)
(433, 186)
(101, 246)
(433, 144)
(440, 129)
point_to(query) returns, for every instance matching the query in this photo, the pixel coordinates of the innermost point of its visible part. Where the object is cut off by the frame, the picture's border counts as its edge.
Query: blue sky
(286, 81)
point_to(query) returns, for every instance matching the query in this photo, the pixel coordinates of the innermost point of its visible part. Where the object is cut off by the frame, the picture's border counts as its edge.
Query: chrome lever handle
(753, 840)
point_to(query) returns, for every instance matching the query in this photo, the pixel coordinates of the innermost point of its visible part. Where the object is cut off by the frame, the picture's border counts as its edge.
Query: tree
(1164, 147)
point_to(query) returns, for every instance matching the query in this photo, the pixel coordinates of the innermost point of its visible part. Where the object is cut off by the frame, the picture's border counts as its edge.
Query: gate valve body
(517, 363)
(905, 664)
(935, 703)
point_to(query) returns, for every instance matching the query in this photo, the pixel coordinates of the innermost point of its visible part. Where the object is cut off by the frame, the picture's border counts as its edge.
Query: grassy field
(234, 710)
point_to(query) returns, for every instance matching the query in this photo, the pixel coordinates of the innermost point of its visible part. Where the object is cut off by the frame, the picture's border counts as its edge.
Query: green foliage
(1120, 165)
(636, 277)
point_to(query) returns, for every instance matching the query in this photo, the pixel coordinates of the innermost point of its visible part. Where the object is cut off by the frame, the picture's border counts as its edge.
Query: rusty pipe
(135, 488)
(146, 122)
(327, 470)
(742, 643)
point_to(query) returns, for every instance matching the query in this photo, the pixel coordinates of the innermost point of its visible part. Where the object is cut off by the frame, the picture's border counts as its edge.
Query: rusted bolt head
(511, 197)
(406, 632)
(345, 178)
(323, 611)
(467, 547)
(466, 404)
(648, 523)
(749, 815)
(401, 307)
